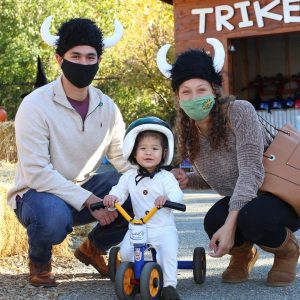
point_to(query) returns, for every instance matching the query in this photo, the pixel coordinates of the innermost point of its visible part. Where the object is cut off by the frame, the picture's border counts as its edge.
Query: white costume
(162, 232)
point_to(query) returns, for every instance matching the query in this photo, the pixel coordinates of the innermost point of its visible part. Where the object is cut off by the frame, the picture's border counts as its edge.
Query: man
(63, 131)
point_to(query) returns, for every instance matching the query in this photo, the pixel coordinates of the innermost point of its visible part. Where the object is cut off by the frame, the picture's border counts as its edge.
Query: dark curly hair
(195, 63)
(77, 32)
(188, 134)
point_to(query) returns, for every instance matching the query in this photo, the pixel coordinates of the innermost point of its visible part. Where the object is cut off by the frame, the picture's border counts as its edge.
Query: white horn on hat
(219, 57)
(161, 60)
(51, 40)
(47, 37)
(115, 38)
(165, 67)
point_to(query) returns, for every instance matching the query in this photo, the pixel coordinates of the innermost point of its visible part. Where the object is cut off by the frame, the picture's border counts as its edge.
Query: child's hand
(109, 201)
(160, 201)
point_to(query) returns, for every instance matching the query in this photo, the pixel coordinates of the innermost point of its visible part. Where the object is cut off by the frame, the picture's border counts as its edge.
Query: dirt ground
(75, 279)
(78, 282)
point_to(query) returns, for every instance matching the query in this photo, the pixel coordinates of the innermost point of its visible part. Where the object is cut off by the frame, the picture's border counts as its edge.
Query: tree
(144, 91)
(128, 71)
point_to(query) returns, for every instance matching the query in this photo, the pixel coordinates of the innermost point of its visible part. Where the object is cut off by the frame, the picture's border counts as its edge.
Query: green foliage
(128, 71)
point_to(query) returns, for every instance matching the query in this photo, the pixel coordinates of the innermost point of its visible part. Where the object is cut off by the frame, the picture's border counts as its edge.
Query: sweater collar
(95, 97)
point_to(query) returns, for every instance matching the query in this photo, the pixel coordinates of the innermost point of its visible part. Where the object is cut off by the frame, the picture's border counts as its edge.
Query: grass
(8, 150)
(13, 237)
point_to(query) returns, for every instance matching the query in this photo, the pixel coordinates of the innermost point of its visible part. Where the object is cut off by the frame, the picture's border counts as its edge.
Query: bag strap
(261, 119)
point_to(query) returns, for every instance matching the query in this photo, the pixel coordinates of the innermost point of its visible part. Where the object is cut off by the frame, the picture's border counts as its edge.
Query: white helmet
(148, 124)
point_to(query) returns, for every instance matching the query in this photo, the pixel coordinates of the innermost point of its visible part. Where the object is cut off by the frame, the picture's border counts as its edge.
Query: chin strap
(143, 173)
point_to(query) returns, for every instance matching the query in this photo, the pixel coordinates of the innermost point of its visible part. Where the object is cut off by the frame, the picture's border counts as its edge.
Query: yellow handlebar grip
(123, 212)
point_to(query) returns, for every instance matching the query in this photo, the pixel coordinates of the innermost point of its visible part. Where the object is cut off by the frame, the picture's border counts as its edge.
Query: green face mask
(199, 107)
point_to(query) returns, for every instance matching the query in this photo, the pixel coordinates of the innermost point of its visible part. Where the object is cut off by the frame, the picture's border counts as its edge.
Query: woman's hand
(223, 239)
(181, 177)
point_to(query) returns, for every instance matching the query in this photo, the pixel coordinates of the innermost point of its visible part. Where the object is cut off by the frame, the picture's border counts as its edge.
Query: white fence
(279, 117)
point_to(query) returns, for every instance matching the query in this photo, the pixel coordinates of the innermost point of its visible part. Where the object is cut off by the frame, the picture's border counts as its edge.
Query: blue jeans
(48, 219)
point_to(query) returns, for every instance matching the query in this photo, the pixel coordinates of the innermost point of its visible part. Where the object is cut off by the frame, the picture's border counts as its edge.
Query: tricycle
(145, 276)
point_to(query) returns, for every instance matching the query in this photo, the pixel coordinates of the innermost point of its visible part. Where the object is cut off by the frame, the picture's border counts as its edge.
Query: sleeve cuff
(237, 204)
(78, 204)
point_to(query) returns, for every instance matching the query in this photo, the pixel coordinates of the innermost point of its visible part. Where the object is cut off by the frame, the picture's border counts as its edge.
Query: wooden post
(287, 65)
(226, 72)
(257, 56)
(245, 74)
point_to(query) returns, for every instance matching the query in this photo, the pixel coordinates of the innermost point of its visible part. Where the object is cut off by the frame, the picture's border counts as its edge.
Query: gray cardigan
(238, 171)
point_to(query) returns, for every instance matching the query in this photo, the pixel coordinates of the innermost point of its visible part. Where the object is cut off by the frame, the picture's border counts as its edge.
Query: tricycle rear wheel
(114, 262)
(199, 265)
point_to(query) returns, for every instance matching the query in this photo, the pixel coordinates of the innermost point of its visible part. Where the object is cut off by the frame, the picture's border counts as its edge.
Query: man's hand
(103, 216)
(181, 177)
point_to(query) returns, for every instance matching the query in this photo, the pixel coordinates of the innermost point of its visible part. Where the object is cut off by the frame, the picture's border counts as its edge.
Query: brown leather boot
(241, 263)
(89, 255)
(283, 271)
(40, 275)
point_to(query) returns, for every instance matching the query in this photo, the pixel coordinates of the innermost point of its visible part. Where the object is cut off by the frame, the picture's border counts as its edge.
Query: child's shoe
(169, 293)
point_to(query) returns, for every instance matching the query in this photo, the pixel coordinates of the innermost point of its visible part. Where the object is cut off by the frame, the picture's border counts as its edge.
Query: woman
(224, 140)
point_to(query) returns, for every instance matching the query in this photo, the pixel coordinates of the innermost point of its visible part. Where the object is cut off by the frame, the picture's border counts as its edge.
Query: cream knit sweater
(57, 151)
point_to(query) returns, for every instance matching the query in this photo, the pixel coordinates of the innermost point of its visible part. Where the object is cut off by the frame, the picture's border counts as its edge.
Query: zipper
(99, 105)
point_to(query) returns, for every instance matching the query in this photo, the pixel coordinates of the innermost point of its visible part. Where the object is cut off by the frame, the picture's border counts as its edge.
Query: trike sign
(223, 14)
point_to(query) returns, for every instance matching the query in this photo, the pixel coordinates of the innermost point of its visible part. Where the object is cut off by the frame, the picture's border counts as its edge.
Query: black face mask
(79, 75)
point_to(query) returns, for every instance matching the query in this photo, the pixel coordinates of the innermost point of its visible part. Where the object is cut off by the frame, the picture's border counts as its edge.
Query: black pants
(261, 221)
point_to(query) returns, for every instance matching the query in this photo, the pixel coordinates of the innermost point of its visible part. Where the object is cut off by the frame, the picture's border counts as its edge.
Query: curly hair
(79, 31)
(188, 134)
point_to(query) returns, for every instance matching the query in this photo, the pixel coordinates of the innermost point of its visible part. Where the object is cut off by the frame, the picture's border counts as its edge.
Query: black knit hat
(191, 64)
(77, 32)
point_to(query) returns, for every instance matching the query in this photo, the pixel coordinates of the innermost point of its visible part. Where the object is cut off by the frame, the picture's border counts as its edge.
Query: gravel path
(81, 282)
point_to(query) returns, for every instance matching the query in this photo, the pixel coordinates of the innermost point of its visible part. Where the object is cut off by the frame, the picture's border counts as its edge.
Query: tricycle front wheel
(151, 282)
(124, 283)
